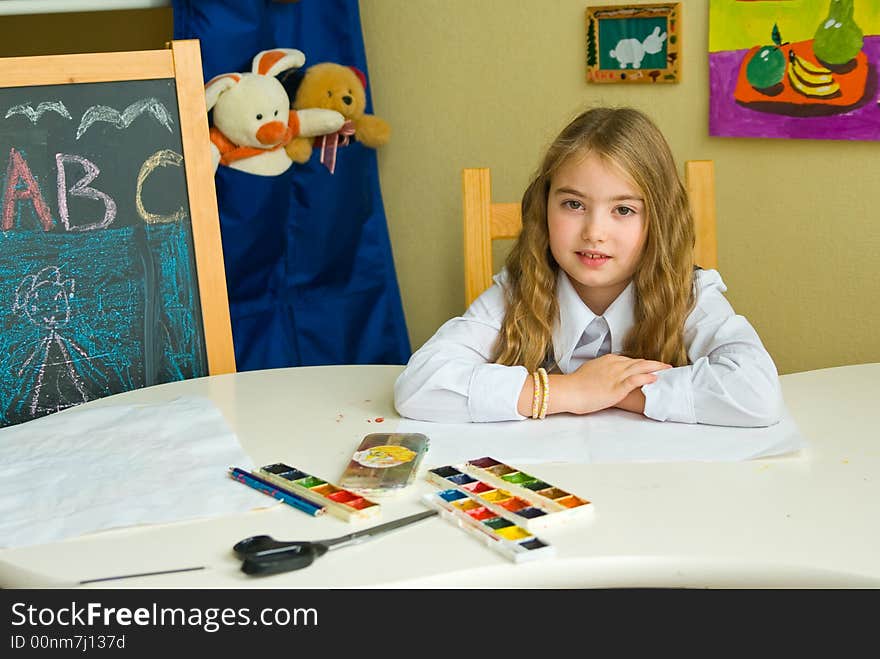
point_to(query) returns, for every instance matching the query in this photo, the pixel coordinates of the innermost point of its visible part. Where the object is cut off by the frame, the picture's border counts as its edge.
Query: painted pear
(838, 38)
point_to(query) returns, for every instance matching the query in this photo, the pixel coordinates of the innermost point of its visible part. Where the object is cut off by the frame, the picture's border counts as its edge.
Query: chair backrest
(485, 221)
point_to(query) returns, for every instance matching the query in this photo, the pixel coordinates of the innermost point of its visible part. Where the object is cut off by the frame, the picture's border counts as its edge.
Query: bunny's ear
(656, 31)
(272, 62)
(217, 85)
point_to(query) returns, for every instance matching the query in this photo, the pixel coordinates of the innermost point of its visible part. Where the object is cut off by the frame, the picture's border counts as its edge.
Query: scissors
(263, 555)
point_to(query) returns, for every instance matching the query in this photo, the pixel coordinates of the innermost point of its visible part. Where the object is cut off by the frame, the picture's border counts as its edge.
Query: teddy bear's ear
(272, 62)
(360, 75)
(217, 85)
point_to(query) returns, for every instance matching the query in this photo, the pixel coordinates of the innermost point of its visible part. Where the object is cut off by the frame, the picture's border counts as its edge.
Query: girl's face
(597, 224)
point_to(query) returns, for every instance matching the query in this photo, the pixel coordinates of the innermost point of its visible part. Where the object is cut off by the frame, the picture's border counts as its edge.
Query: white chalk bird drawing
(33, 114)
(123, 119)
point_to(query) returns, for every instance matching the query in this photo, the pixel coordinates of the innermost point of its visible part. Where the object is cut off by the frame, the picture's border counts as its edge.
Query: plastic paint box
(340, 502)
(509, 492)
(496, 532)
(385, 463)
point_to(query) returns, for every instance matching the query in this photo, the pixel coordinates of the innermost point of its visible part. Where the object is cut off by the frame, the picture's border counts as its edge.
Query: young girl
(599, 304)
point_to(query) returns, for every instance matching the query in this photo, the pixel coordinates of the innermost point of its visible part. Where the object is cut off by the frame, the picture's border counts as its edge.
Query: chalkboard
(111, 268)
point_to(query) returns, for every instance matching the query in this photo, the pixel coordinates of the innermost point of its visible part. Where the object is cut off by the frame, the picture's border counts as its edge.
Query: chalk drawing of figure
(57, 373)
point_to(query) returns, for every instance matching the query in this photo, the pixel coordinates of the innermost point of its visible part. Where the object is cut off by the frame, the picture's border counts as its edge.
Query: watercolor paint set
(496, 531)
(509, 492)
(338, 501)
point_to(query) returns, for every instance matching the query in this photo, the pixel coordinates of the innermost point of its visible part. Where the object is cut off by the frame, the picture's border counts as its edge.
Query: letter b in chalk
(81, 189)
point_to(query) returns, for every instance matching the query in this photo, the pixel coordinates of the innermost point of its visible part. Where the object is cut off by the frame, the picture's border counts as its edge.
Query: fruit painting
(805, 69)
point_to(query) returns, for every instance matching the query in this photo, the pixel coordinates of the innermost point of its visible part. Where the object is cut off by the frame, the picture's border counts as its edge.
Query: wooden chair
(485, 221)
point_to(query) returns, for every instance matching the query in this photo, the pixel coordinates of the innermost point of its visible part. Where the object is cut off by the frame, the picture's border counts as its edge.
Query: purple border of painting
(729, 119)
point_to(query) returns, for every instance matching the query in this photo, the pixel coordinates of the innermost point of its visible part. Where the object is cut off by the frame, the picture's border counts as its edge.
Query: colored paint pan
(446, 472)
(344, 504)
(501, 470)
(484, 462)
(518, 478)
(477, 487)
(514, 504)
(481, 513)
(512, 541)
(467, 504)
(496, 496)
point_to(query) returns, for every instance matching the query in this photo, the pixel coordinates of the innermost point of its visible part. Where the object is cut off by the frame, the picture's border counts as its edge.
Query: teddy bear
(252, 117)
(341, 88)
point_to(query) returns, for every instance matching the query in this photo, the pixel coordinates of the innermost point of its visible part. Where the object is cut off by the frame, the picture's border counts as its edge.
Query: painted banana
(811, 80)
(809, 73)
(822, 91)
(807, 65)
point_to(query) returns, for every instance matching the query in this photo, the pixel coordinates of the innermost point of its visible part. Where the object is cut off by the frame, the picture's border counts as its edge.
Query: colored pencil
(257, 483)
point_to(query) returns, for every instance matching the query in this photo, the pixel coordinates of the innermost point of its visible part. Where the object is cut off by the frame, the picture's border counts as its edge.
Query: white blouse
(731, 379)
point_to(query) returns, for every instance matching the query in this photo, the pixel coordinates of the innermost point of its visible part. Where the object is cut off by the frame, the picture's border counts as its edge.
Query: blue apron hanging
(309, 269)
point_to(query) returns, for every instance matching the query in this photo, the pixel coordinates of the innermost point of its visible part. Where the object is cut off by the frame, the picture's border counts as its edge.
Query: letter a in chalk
(18, 170)
(81, 189)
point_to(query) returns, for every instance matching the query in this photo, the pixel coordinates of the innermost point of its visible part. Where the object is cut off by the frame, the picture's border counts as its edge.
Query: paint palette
(340, 502)
(497, 532)
(511, 493)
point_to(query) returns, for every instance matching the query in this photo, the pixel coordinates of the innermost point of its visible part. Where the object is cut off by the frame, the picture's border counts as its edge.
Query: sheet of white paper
(606, 436)
(85, 470)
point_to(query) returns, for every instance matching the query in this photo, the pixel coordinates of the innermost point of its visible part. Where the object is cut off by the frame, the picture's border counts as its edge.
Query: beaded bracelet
(545, 397)
(536, 399)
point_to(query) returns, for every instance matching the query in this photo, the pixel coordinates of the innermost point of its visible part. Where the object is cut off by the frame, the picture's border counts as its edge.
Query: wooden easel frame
(183, 62)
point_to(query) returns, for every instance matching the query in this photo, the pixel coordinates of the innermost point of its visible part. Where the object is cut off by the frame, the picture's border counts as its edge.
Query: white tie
(594, 342)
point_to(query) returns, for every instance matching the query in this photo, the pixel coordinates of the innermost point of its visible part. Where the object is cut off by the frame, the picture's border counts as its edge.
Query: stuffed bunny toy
(252, 116)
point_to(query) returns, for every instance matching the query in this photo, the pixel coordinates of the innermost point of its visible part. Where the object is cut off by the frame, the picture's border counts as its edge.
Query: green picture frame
(634, 43)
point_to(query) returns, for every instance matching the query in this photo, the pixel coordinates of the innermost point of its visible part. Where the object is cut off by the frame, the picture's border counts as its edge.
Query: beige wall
(85, 32)
(490, 82)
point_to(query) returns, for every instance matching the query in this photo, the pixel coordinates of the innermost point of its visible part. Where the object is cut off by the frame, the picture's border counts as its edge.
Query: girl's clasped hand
(603, 382)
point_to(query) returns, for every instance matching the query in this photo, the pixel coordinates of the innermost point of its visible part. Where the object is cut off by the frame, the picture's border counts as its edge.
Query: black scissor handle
(263, 555)
(257, 545)
(294, 559)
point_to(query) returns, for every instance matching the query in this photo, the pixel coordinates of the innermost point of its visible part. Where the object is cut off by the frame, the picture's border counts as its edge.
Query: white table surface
(810, 519)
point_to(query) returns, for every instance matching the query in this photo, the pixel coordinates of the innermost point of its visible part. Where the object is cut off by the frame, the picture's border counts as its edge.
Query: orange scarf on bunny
(230, 151)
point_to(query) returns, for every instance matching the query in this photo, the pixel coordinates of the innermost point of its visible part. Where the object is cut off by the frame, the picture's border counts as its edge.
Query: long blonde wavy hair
(663, 279)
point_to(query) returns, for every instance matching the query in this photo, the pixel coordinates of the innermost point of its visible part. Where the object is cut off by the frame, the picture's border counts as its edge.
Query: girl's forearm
(560, 392)
(562, 389)
(633, 402)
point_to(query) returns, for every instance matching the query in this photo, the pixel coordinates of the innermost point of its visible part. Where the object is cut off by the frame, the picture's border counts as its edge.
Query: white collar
(575, 316)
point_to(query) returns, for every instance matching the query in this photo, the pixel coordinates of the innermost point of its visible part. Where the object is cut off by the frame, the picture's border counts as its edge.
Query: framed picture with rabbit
(634, 43)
